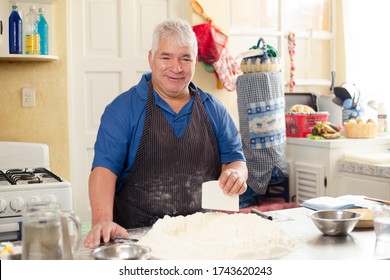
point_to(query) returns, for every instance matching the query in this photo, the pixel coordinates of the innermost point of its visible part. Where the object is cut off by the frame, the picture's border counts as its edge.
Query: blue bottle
(15, 31)
(43, 30)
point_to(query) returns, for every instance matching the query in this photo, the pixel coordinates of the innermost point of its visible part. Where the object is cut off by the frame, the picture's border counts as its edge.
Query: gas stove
(25, 177)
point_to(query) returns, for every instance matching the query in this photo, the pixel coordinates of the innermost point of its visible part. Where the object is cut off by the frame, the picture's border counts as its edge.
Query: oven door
(11, 229)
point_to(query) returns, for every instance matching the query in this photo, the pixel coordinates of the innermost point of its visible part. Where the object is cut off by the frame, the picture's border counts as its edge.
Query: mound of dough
(215, 235)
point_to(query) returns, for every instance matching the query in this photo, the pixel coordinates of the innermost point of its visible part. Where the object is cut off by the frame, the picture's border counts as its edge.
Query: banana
(315, 131)
(331, 135)
(328, 128)
(335, 127)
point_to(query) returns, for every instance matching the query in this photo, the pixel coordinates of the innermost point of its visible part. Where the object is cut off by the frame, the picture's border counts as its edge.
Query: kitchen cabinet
(314, 171)
(5, 10)
(370, 186)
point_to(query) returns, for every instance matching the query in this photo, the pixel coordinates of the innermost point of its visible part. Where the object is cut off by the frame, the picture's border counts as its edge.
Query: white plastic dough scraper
(213, 198)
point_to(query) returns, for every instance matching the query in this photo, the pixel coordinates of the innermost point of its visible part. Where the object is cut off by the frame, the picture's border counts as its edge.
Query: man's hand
(233, 178)
(103, 232)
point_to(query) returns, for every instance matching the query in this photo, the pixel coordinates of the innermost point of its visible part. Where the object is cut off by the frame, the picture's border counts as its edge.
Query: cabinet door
(309, 181)
(107, 57)
(364, 185)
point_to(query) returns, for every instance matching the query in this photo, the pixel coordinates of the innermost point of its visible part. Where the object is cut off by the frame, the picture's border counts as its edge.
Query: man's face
(173, 67)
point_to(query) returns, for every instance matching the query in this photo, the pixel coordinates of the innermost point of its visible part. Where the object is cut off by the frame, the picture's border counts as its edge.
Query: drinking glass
(381, 216)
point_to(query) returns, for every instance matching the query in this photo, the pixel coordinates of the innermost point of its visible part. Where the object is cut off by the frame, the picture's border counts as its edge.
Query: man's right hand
(103, 232)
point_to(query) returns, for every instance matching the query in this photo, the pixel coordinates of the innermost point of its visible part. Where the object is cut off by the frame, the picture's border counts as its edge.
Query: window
(367, 44)
(310, 20)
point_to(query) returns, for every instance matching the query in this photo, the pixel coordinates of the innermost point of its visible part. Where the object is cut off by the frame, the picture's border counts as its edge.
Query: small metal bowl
(121, 252)
(333, 222)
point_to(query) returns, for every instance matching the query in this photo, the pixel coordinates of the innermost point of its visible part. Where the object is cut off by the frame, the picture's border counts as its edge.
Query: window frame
(281, 36)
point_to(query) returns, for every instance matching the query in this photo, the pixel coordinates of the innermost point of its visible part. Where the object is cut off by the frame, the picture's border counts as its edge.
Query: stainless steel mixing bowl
(121, 252)
(335, 222)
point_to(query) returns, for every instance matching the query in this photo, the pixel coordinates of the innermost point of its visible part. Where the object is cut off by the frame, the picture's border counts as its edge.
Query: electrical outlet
(28, 97)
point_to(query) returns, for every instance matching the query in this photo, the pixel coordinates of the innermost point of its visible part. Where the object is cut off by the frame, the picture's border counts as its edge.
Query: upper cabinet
(23, 7)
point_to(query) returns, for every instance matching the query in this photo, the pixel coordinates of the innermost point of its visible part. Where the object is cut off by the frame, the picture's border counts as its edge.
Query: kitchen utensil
(348, 103)
(45, 233)
(342, 93)
(261, 214)
(120, 240)
(335, 222)
(121, 252)
(332, 79)
(351, 113)
(213, 198)
(387, 202)
(337, 101)
(354, 92)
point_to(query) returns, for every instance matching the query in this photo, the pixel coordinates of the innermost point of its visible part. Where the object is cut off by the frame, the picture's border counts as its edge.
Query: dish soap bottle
(15, 31)
(32, 36)
(43, 30)
(382, 119)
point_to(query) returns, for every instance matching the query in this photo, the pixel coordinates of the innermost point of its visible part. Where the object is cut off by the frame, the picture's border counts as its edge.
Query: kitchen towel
(262, 126)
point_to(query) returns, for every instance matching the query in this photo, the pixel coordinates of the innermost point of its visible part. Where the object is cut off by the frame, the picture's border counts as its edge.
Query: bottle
(15, 31)
(382, 119)
(43, 30)
(31, 31)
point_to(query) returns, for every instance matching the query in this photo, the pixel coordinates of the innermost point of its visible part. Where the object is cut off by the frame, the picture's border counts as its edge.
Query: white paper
(214, 198)
(338, 203)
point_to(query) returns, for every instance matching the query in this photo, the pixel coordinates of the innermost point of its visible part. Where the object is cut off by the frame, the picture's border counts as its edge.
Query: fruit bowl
(356, 130)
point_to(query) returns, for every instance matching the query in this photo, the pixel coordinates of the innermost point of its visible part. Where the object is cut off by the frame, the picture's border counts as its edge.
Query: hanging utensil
(333, 79)
(337, 101)
(342, 93)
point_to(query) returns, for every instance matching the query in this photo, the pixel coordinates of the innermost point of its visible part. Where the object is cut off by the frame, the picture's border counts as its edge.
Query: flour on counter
(216, 235)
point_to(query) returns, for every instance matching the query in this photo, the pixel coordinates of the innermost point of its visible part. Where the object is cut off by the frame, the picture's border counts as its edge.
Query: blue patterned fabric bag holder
(261, 104)
(267, 126)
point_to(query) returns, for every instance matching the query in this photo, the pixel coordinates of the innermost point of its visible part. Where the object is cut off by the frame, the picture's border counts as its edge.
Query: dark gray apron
(168, 172)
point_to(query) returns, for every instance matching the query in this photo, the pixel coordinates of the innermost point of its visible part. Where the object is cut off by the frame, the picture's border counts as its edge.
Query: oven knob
(34, 199)
(17, 204)
(49, 198)
(3, 205)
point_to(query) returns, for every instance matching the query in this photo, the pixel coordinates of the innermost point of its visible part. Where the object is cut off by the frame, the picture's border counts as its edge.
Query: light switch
(28, 97)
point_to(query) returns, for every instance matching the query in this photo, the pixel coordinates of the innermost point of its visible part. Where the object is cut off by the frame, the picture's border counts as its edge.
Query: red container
(299, 125)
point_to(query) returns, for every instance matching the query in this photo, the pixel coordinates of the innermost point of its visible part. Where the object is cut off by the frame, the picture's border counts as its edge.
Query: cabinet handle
(1, 27)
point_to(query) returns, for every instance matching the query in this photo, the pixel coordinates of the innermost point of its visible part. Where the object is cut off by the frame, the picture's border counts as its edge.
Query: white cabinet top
(339, 143)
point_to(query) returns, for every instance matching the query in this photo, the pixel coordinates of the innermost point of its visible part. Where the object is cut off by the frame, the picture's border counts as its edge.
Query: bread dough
(216, 235)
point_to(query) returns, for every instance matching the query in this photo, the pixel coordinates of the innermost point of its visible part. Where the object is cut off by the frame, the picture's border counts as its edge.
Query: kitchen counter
(314, 168)
(340, 143)
(359, 244)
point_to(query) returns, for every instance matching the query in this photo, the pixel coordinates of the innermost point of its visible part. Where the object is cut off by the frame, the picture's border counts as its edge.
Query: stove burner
(28, 176)
(3, 179)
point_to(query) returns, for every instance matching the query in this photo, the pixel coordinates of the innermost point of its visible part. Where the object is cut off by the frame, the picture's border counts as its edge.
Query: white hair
(177, 30)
